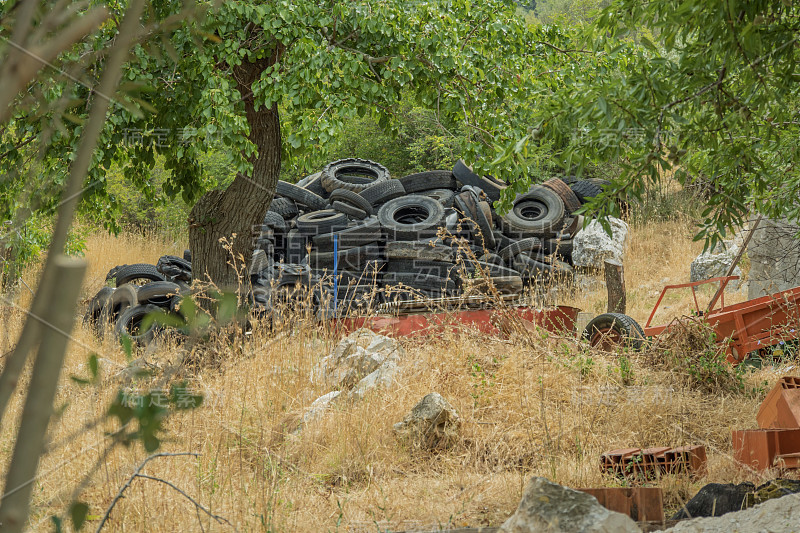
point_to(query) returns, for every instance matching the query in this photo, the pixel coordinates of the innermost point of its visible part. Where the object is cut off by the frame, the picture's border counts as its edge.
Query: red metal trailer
(407, 323)
(746, 326)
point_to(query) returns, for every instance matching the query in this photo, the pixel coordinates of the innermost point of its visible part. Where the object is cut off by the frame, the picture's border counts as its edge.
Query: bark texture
(233, 214)
(615, 284)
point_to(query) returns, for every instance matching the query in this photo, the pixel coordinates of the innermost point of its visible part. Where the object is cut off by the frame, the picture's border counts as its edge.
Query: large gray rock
(780, 515)
(381, 377)
(432, 423)
(550, 507)
(716, 263)
(774, 252)
(591, 246)
(356, 356)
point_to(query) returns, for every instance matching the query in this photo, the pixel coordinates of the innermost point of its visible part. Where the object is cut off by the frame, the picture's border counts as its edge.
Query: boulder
(432, 423)
(778, 515)
(319, 406)
(774, 252)
(716, 263)
(550, 507)
(381, 377)
(717, 499)
(356, 356)
(591, 246)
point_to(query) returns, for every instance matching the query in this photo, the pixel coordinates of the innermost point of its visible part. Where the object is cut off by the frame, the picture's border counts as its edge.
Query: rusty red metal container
(642, 504)
(781, 407)
(760, 448)
(559, 319)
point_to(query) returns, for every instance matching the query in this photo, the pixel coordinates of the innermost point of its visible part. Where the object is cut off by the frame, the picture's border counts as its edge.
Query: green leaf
(77, 513)
(93, 365)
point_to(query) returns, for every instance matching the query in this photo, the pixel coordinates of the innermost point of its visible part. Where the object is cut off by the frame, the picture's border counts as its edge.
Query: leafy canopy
(712, 98)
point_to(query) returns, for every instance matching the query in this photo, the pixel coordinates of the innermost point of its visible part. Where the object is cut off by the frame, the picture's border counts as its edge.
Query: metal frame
(746, 326)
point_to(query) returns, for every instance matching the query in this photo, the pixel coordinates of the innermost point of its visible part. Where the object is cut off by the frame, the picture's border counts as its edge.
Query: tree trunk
(225, 219)
(615, 285)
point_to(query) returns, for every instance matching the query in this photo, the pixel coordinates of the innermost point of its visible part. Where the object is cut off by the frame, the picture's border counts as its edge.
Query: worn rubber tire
(314, 184)
(157, 293)
(432, 179)
(477, 269)
(175, 268)
(494, 259)
(349, 259)
(352, 198)
(621, 329)
(301, 196)
(531, 268)
(421, 281)
(465, 175)
(333, 175)
(122, 298)
(285, 207)
(518, 225)
(94, 309)
(503, 284)
(138, 271)
(531, 244)
(351, 212)
(295, 246)
(422, 250)
(443, 196)
(382, 192)
(561, 247)
(480, 227)
(425, 214)
(363, 232)
(571, 201)
(585, 189)
(274, 221)
(130, 319)
(439, 269)
(322, 221)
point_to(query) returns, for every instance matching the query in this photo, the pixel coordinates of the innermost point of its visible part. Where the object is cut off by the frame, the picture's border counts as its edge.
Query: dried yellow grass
(532, 406)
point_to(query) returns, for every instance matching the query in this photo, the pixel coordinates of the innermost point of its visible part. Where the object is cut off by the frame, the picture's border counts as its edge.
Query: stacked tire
(139, 292)
(426, 235)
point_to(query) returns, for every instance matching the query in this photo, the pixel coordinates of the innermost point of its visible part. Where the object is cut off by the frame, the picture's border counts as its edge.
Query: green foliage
(712, 98)
(689, 349)
(484, 379)
(23, 245)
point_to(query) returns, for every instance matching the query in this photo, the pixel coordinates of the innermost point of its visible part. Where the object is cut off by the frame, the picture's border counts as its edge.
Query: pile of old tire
(429, 234)
(138, 290)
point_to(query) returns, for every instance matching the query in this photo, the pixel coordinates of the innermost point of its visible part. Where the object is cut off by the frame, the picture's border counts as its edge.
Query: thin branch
(137, 473)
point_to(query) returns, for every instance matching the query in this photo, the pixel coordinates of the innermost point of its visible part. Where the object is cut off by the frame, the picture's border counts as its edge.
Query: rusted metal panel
(642, 504)
(745, 326)
(560, 319)
(642, 465)
(781, 408)
(691, 459)
(759, 448)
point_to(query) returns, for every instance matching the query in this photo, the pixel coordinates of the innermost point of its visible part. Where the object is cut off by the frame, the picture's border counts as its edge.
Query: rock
(592, 245)
(550, 507)
(716, 499)
(381, 377)
(319, 406)
(356, 356)
(779, 515)
(432, 423)
(774, 253)
(715, 263)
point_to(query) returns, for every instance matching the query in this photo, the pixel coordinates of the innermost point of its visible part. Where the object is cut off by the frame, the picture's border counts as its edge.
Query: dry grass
(530, 407)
